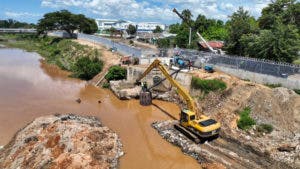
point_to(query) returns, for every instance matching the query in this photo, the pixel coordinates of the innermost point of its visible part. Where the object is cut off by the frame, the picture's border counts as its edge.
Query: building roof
(213, 44)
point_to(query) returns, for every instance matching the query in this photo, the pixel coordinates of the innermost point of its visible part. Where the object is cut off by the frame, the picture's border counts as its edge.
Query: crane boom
(181, 91)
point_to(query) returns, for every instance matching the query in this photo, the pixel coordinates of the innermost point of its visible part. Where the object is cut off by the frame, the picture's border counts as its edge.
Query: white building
(149, 26)
(104, 24)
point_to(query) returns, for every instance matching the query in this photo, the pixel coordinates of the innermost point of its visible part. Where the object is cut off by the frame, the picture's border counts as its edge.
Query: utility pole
(190, 36)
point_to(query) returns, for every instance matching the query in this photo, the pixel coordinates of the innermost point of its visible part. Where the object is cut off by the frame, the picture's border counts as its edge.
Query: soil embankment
(63, 141)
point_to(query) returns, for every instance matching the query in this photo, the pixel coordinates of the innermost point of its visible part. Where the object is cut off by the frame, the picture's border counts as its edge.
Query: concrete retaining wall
(149, 60)
(292, 82)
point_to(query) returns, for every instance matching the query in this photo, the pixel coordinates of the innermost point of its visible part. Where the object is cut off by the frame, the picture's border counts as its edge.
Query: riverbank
(82, 61)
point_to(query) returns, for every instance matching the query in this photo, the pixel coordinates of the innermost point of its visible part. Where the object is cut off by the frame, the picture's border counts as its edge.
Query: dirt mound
(62, 141)
(279, 107)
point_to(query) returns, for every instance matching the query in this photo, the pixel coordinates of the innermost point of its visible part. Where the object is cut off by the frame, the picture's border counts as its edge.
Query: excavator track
(187, 133)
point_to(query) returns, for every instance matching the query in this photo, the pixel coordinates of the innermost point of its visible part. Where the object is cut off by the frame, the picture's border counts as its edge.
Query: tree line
(274, 35)
(10, 23)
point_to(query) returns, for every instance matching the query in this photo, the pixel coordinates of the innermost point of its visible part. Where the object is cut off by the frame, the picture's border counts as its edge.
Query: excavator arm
(181, 91)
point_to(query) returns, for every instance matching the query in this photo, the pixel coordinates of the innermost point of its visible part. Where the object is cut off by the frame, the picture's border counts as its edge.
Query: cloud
(21, 14)
(157, 10)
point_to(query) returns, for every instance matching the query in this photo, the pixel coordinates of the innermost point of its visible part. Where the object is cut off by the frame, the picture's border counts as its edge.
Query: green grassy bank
(83, 61)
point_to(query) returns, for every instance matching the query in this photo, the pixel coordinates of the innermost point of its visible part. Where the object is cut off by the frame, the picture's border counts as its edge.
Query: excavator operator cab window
(184, 117)
(192, 117)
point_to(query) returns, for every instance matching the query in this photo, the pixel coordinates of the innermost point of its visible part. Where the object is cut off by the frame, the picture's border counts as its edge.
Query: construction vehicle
(209, 69)
(193, 126)
(180, 62)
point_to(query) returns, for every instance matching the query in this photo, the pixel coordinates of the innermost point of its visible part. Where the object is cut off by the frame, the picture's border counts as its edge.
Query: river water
(29, 88)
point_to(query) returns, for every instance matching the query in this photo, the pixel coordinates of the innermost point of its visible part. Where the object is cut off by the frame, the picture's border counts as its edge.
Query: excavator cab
(202, 128)
(186, 117)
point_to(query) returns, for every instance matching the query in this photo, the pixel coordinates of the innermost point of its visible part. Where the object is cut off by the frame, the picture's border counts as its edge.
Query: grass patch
(297, 91)
(62, 52)
(208, 85)
(265, 128)
(245, 122)
(273, 85)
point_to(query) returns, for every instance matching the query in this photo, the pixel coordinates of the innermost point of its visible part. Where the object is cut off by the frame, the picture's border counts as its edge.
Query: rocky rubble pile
(221, 152)
(167, 131)
(62, 141)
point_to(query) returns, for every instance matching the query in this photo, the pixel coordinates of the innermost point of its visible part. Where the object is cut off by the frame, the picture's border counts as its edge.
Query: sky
(132, 10)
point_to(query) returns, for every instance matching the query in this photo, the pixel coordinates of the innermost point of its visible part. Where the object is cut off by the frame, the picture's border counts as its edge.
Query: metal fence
(249, 64)
(121, 48)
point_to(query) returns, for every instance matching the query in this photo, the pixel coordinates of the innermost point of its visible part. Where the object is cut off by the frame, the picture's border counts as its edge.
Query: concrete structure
(104, 24)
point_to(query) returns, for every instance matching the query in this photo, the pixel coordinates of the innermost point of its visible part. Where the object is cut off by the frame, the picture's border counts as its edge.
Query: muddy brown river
(30, 88)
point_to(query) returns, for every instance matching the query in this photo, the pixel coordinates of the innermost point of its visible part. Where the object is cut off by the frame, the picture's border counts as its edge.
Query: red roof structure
(213, 44)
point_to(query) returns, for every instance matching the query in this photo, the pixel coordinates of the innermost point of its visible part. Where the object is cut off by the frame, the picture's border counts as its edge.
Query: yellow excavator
(196, 128)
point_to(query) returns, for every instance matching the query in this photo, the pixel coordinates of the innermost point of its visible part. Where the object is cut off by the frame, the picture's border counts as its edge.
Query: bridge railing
(17, 30)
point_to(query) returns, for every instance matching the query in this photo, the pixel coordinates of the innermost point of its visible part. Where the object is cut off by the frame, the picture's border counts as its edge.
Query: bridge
(17, 30)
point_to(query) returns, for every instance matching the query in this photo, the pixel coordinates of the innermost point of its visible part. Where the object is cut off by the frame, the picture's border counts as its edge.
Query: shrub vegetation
(245, 122)
(265, 128)
(116, 73)
(273, 85)
(86, 68)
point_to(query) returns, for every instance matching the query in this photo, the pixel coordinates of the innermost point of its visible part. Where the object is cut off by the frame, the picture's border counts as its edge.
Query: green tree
(65, 20)
(175, 28)
(187, 15)
(131, 30)
(86, 25)
(240, 23)
(157, 30)
(163, 43)
(282, 43)
(116, 73)
(280, 11)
